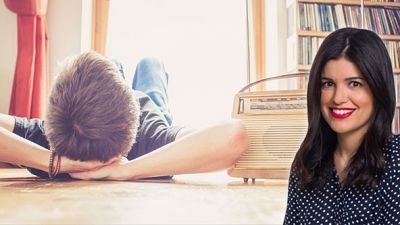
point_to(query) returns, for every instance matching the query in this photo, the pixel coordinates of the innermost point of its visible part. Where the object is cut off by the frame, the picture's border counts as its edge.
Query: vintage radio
(276, 123)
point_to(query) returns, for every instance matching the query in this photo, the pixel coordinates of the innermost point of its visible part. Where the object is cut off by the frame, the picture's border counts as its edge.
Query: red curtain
(31, 82)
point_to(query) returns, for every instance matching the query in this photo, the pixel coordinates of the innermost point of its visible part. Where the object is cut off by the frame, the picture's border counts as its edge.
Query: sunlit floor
(211, 198)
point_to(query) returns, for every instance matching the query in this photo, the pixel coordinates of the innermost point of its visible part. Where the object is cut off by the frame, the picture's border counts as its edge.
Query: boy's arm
(209, 149)
(7, 122)
(17, 150)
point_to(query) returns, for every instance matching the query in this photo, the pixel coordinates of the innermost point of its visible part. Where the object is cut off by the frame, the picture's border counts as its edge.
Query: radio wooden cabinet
(276, 123)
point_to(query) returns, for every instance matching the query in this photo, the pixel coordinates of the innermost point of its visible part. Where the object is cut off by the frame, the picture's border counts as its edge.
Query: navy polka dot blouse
(351, 205)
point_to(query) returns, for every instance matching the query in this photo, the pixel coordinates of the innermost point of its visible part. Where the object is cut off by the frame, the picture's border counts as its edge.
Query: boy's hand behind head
(72, 166)
(92, 112)
(109, 171)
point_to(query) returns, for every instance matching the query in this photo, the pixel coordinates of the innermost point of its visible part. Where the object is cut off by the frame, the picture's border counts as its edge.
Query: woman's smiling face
(346, 98)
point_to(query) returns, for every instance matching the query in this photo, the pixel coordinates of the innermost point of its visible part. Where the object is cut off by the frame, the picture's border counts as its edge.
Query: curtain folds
(31, 81)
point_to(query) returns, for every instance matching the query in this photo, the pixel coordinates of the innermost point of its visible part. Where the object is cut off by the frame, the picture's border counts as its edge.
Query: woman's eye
(355, 84)
(327, 84)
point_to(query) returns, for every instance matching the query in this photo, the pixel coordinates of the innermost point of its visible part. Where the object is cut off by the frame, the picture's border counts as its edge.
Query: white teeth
(342, 111)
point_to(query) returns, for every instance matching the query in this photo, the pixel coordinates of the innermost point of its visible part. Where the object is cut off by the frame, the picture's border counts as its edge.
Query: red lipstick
(341, 113)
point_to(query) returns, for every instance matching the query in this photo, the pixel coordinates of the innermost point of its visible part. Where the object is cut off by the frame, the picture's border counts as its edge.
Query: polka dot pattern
(351, 205)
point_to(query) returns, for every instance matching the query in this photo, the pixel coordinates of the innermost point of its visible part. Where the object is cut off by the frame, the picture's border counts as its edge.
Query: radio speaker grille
(276, 123)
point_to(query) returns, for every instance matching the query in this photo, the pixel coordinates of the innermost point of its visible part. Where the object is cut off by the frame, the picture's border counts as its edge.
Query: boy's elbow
(238, 141)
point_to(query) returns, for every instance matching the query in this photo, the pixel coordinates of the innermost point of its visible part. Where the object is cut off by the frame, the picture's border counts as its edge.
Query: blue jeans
(151, 78)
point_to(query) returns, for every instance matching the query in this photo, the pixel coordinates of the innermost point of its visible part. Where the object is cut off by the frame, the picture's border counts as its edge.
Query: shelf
(390, 37)
(387, 4)
(324, 34)
(312, 33)
(303, 67)
(344, 2)
(353, 2)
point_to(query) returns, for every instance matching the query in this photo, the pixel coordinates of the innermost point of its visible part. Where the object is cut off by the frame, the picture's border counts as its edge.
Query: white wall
(201, 42)
(67, 36)
(276, 27)
(275, 42)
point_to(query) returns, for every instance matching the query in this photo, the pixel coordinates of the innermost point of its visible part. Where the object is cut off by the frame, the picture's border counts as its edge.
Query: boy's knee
(150, 62)
(151, 69)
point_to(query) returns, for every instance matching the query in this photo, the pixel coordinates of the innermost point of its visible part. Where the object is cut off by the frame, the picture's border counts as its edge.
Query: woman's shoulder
(391, 176)
(393, 145)
(391, 150)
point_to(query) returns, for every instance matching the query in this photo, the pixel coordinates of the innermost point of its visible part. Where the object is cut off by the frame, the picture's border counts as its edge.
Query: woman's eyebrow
(348, 78)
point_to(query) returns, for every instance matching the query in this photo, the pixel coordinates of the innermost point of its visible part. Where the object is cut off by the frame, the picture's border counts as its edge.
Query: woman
(347, 170)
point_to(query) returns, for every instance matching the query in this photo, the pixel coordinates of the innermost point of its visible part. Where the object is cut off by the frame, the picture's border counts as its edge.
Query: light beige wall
(68, 31)
(8, 54)
(69, 24)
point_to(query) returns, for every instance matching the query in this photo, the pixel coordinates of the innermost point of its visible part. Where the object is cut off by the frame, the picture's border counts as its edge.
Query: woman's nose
(340, 96)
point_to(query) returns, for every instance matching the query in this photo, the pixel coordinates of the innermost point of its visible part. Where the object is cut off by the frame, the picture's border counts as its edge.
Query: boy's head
(92, 113)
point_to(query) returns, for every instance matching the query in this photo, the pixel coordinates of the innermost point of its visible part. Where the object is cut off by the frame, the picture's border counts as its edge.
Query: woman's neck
(347, 147)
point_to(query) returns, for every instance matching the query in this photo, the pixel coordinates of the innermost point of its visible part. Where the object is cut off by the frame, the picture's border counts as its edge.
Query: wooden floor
(213, 198)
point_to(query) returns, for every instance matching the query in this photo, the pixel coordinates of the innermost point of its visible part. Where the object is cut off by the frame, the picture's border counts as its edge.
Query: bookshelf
(310, 21)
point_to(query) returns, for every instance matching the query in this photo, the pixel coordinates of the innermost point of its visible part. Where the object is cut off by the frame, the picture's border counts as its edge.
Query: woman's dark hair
(313, 164)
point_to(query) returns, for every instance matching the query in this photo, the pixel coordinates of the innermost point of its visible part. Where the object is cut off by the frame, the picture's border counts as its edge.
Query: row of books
(329, 17)
(308, 47)
(382, 20)
(393, 48)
